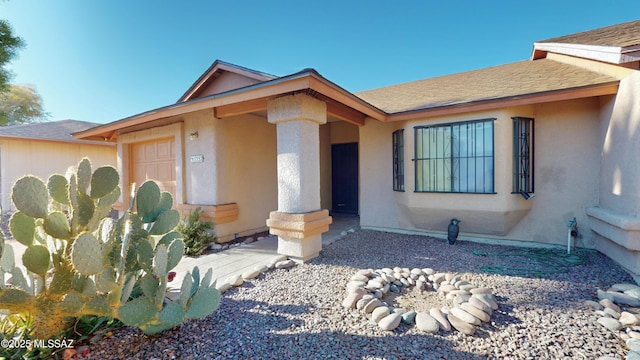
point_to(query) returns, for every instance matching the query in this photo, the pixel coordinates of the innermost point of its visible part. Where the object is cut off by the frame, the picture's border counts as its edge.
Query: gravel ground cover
(297, 313)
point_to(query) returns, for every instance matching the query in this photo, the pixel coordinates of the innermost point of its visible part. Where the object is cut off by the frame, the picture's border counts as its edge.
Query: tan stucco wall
(343, 132)
(225, 82)
(566, 173)
(615, 219)
(250, 173)
(239, 165)
(43, 158)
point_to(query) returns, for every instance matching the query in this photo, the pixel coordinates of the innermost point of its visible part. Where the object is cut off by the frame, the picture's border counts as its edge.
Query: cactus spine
(79, 261)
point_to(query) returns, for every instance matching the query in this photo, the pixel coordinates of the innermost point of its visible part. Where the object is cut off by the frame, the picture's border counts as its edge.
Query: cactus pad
(173, 314)
(58, 188)
(137, 312)
(165, 222)
(147, 199)
(57, 225)
(176, 251)
(160, 261)
(7, 261)
(86, 254)
(203, 303)
(37, 259)
(86, 208)
(23, 228)
(30, 196)
(72, 302)
(84, 175)
(104, 181)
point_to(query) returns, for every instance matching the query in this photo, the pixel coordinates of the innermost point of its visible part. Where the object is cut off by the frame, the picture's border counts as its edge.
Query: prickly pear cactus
(79, 261)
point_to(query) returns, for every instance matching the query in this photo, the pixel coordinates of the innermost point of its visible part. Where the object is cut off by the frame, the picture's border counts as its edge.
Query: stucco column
(299, 222)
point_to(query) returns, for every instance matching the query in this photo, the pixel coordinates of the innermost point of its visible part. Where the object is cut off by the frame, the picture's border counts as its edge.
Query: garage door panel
(155, 160)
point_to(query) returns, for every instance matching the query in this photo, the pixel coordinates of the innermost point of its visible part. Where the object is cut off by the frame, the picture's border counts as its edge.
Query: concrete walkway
(249, 257)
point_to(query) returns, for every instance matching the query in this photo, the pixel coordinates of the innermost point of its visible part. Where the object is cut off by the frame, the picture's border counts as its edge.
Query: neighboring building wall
(566, 133)
(43, 158)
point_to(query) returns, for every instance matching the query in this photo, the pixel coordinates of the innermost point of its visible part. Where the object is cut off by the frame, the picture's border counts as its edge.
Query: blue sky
(103, 60)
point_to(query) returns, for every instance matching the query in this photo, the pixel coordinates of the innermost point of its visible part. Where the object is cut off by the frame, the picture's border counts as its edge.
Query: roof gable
(221, 77)
(617, 44)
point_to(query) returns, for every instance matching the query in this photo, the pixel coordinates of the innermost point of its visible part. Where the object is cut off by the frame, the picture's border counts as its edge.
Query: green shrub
(196, 233)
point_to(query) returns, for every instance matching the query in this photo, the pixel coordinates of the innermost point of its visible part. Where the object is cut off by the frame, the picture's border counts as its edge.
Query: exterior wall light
(193, 135)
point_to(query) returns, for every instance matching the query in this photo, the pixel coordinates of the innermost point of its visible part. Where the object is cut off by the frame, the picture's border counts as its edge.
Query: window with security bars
(455, 158)
(398, 160)
(522, 155)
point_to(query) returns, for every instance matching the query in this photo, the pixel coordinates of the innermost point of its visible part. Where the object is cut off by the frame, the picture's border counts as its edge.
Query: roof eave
(306, 79)
(610, 88)
(609, 54)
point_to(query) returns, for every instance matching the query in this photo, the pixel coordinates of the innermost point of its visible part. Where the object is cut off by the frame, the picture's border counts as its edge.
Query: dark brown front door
(344, 178)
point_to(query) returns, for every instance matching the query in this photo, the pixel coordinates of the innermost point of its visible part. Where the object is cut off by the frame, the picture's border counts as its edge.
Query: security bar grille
(457, 157)
(398, 160)
(523, 155)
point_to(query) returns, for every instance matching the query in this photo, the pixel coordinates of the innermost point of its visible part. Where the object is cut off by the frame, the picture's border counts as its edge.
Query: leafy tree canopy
(21, 104)
(9, 46)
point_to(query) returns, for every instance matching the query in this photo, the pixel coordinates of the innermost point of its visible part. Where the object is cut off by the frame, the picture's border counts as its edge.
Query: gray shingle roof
(53, 131)
(619, 35)
(493, 83)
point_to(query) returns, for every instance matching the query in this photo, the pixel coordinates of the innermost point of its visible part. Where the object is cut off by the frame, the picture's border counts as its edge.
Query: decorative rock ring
(470, 305)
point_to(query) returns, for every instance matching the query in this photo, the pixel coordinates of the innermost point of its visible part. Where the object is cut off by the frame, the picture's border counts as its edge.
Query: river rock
(610, 304)
(465, 316)
(461, 325)
(619, 298)
(251, 274)
(476, 302)
(610, 323)
(359, 277)
(368, 308)
(483, 316)
(481, 290)
(624, 287)
(378, 313)
(427, 323)
(593, 305)
(443, 323)
(286, 264)
(633, 344)
(409, 317)
(390, 322)
(235, 280)
(614, 314)
(351, 300)
(487, 299)
(635, 292)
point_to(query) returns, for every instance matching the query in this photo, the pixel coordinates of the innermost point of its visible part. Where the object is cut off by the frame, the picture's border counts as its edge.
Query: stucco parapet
(218, 214)
(296, 107)
(299, 226)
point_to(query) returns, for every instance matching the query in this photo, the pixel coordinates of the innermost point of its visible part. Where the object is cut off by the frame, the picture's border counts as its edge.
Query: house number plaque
(197, 158)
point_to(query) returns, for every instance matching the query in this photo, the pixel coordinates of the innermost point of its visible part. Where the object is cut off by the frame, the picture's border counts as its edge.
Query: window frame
(523, 126)
(488, 186)
(397, 144)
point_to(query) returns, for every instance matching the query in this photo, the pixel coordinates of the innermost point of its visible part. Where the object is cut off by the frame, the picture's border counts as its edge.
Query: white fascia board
(610, 54)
